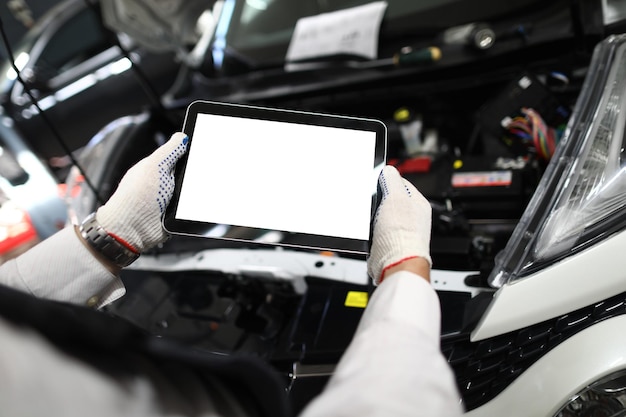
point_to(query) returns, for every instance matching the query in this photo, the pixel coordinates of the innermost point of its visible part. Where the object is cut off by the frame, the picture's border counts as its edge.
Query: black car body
(81, 78)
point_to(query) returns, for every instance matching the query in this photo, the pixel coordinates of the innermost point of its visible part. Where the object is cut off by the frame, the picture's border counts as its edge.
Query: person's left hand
(133, 213)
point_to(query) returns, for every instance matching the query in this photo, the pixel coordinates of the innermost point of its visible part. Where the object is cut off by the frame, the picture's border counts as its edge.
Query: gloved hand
(133, 213)
(401, 225)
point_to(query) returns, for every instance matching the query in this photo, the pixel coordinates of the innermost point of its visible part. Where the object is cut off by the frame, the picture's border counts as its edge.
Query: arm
(419, 266)
(393, 366)
(62, 268)
(66, 267)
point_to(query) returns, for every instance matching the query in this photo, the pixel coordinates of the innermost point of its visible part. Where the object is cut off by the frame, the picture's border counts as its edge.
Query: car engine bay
(478, 176)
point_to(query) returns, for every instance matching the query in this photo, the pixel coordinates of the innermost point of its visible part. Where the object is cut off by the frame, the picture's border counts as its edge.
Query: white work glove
(133, 213)
(401, 225)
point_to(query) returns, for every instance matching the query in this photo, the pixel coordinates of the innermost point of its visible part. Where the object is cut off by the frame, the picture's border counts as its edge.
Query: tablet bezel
(296, 240)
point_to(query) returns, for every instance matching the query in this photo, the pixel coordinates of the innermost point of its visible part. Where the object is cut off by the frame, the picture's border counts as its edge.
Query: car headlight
(604, 398)
(581, 197)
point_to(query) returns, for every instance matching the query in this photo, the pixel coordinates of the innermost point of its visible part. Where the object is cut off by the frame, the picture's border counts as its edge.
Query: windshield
(258, 32)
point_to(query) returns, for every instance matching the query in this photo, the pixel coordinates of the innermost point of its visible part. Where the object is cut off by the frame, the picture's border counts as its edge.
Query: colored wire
(533, 131)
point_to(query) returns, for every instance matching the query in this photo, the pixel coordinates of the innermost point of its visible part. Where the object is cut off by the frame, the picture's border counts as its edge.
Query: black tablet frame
(249, 235)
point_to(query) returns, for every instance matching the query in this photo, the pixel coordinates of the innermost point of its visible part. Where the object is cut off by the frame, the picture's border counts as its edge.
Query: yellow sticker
(356, 299)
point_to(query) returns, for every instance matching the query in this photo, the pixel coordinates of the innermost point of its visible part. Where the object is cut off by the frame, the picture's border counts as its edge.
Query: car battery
(480, 187)
(496, 189)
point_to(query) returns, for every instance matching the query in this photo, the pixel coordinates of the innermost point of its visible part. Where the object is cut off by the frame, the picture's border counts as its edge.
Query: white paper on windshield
(352, 31)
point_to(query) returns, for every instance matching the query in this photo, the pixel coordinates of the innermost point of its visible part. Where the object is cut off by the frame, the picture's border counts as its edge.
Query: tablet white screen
(279, 176)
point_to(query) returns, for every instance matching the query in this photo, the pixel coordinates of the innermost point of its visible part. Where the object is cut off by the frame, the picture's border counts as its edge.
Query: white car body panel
(561, 373)
(287, 265)
(578, 281)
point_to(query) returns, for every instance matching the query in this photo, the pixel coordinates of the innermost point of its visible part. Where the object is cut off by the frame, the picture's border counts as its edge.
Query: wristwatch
(105, 244)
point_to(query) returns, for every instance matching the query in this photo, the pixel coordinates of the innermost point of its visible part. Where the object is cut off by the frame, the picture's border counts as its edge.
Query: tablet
(280, 177)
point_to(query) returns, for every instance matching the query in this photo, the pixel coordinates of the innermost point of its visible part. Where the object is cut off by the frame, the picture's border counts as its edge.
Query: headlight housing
(604, 398)
(582, 195)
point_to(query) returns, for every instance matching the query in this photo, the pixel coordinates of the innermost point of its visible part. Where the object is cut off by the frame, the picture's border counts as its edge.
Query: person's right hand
(401, 226)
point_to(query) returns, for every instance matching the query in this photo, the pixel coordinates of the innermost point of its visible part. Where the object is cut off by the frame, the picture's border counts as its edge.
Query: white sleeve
(62, 268)
(393, 366)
